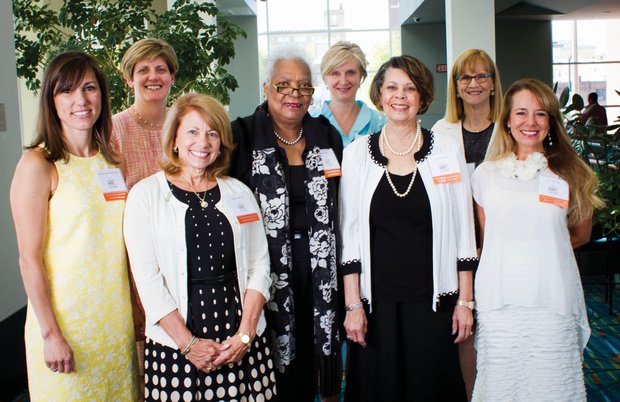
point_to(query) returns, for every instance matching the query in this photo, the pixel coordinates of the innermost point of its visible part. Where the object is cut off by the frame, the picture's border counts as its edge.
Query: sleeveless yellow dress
(86, 268)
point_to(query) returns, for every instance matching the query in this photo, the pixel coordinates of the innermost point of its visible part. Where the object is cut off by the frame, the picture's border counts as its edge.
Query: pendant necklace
(203, 201)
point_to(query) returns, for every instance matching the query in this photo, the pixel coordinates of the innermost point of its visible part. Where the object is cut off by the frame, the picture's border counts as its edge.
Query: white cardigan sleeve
(467, 256)
(138, 233)
(258, 257)
(350, 202)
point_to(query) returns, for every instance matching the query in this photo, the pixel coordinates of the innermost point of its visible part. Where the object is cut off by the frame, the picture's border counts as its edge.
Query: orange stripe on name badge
(552, 200)
(332, 173)
(447, 178)
(115, 195)
(253, 217)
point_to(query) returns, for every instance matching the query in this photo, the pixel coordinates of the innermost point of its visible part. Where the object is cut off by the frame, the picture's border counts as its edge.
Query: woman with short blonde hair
(344, 69)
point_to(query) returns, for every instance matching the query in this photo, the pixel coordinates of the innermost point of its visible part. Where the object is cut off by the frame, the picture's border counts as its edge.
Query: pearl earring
(550, 139)
(175, 149)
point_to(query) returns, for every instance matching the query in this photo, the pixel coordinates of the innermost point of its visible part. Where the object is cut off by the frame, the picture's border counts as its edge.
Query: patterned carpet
(602, 355)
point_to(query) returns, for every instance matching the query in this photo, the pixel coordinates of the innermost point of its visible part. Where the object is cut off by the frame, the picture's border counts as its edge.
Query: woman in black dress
(199, 256)
(292, 162)
(408, 249)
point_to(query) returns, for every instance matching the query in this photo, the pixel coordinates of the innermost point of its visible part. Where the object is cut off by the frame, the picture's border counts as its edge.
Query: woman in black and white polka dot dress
(199, 255)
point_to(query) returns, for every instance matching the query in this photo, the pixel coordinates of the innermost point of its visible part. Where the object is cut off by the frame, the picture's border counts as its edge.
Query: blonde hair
(340, 53)
(561, 156)
(216, 117)
(455, 111)
(148, 49)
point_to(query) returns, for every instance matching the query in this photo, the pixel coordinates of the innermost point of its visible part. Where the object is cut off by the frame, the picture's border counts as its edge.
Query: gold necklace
(145, 121)
(203, 201)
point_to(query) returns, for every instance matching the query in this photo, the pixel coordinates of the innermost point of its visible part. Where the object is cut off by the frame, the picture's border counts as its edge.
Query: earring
(550, 140)
(492, 92)
(175, 149)
(509, 131)
(458, 95)
(218, 153)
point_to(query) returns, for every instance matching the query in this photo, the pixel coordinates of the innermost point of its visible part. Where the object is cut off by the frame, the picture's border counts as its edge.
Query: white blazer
(154, 230)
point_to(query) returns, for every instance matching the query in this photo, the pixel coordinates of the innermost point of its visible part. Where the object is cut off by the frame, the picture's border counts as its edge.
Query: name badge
(112, 184)
(331, 167)
(445, 168)
(244, 208)
(553, 190)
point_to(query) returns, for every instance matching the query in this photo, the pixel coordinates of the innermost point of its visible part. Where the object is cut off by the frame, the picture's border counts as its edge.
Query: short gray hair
(286, 52)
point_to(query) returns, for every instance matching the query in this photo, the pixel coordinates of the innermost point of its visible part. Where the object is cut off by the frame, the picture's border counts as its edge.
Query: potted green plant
(106, 29)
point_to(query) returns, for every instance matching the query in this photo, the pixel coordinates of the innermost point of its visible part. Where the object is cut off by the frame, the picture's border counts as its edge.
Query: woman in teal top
(344, 69)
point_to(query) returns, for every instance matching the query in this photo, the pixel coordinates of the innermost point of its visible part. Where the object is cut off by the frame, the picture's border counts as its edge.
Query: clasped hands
(208, 355)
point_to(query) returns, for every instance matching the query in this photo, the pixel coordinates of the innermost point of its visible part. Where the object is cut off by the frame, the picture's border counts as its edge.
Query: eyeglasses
(287, 90)
(466, 79)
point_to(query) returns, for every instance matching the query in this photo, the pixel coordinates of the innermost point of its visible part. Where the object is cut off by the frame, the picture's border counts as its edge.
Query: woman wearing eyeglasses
(474, 103)
(292, 162)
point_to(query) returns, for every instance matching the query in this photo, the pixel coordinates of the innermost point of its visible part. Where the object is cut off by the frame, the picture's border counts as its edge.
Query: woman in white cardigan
(199, 256)
(408, 248)
(473, 107)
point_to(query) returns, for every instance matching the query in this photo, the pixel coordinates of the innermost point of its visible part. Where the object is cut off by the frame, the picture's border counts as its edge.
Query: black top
(476, 144)
(401, 235)
(297, 198)
(208, 235)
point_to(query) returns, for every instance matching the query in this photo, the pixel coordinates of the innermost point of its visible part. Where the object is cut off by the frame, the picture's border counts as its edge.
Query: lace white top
(527, 258)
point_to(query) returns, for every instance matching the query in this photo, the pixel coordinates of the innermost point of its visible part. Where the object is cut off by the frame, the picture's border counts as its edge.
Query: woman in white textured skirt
(535, 199)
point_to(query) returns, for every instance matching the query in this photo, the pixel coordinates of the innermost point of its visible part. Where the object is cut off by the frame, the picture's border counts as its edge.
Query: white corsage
(528, 169)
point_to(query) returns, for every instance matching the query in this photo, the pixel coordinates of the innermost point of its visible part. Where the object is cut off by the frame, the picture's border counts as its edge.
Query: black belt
(215, 280)
(299, 234)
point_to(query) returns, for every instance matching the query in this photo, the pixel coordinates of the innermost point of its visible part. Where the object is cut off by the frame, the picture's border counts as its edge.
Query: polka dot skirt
(214, 312)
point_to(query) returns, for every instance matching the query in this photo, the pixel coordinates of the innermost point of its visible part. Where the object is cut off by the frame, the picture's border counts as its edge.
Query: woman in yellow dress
(67, 199)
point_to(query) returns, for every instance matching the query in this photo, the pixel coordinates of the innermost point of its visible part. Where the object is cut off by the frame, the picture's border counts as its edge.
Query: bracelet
(354, 306)
(469, 304)
(189, 345)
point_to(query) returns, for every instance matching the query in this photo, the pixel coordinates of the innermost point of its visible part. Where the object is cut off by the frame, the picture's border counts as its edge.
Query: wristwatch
(469, 304)
(245, 339)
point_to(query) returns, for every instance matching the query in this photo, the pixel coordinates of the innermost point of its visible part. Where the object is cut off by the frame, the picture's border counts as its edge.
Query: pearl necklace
(145, 121)
(415, 169)
(408, 151)
(287, 142)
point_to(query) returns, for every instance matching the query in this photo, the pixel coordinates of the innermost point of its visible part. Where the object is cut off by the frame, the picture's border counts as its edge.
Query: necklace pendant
(203, 204)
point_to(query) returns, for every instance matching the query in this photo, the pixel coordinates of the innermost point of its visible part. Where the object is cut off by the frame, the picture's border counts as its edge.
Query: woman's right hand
(58, 354)
(356, 325)
(204, 352)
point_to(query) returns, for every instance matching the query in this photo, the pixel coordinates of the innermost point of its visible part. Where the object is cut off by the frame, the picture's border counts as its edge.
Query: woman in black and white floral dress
(292, 162)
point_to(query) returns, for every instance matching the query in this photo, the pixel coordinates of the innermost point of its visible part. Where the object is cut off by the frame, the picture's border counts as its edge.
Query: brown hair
(148, 49)
(64, 73)
(216, 117)
(468, 60)
(417, 72)
(561, 156)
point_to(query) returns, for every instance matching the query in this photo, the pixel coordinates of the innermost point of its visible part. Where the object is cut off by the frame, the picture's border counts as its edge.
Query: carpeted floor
(602, 355)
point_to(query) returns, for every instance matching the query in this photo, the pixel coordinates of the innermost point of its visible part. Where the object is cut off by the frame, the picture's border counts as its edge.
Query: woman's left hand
(463, 322)
(234, 353)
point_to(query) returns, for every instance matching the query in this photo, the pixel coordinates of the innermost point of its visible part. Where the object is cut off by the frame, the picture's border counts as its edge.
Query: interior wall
(12, 296)
(524, 50)
(427, 43)
(244, 67)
